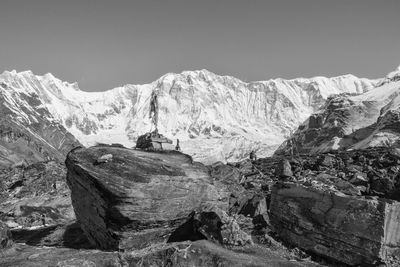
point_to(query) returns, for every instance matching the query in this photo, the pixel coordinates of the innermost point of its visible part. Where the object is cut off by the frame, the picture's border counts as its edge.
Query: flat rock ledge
(352, 229)
(137, 198)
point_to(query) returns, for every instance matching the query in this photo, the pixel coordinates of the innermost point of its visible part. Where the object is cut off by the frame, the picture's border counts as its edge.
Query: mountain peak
(395, 72)
(209, 113)
(391, 77)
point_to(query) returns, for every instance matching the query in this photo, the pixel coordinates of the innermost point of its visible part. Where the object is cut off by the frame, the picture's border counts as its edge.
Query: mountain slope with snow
(215, 117)
(28, 131)
(352, 122)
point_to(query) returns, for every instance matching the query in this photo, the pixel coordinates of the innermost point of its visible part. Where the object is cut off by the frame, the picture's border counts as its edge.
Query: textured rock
(230, 177)
(214, 225)
(204, 254)
(256, 208)
(373, 171)
(22, 255)
(69, 235)
(353, 230)
(34, 191)
(104, 158)
(5, 236)
(284, 169)
(140, 197)
(197, 254)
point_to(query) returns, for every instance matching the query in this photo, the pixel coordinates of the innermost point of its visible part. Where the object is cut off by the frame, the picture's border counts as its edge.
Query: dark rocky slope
(344, 205)
(28, 131)
(163, 209)
(195, 202)
(33, 193)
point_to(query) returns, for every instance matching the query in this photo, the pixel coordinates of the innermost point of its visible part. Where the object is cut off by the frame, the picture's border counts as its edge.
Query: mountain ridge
(370, 119)
(215, 117)
(76, 84)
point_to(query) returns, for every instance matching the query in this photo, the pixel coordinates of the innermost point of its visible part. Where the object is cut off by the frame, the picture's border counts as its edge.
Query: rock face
(198, 254)
(373, 171)
(214, 225)
(5, 236)
(30, 193)
(343, 205)
(205, 254)
(139, 198)
(284, 169)
(354, 230)
(215, 117)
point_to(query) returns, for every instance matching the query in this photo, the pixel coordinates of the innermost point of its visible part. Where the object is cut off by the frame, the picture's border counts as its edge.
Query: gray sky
(105, 44)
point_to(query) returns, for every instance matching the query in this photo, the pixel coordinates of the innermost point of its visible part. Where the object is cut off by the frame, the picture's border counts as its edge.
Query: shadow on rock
(206, 225)
(70, 236)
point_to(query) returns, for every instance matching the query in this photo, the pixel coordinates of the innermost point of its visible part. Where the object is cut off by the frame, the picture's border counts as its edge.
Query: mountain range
(370, 119)
(216, 118)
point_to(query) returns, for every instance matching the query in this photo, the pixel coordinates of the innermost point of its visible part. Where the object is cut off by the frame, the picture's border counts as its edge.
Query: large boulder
(352, 229)
(138, 198)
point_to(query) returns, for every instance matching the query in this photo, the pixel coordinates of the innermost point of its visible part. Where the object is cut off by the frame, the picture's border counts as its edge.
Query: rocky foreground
(136, 208)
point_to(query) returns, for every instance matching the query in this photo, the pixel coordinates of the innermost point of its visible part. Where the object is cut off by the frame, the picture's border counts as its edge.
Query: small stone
(284, 169)
(395, 152)
(5, 236)
(359, 178)
(362, 188)
(105, 158)
(327, 161)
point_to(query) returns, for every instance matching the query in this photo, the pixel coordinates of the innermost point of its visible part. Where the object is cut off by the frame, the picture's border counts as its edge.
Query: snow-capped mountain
(215, 117)
(28, 131)
(352, 121)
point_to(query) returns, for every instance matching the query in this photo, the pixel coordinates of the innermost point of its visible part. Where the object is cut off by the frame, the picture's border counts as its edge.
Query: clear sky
(105, 44)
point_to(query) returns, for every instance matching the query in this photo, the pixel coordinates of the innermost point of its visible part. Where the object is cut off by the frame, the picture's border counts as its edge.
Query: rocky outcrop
(214, 225)
(335, 204)
(5, 236)
(373, 172)
(350, 121)
(354, 230)
(283, 169)
(138, 198)
(35, 195)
